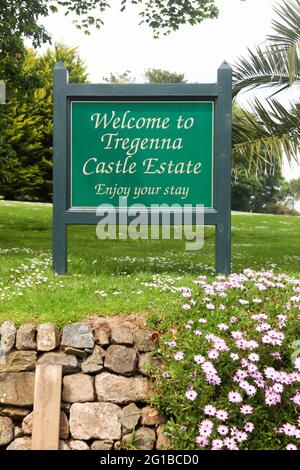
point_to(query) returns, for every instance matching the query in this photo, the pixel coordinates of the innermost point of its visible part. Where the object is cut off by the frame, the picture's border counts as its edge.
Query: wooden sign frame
(219, 93)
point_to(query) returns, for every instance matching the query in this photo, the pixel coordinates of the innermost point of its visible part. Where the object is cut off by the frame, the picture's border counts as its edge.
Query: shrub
(228, 380)
(281, 209)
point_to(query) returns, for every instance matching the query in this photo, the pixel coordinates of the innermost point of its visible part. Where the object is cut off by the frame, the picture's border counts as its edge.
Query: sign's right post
(223, 165)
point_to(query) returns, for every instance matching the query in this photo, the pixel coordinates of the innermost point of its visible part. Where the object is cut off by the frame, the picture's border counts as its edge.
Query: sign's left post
(59, 227)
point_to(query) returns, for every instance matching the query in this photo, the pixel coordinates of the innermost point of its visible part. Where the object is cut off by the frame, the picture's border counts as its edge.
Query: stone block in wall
(94, 363)
(47, 337)
(122, 335)
(16, 414)
(95, 421)
(142, 439)
(102, 445)
(18, 431)
(121, 390)
(21, 443)
(17, 389)
(120, 359)
(102, 336)
(78, 335)
(130, 416)
(68, 362)
(18, 361)
(78, 388)
(26, 337)
(146, 362)
(79, 445)
(143, 340)
(8, 336)
(151, 416)
(6, 431)
(163, 442)
(80, 353)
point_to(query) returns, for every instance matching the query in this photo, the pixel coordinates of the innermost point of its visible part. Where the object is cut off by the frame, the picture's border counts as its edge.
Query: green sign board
(161, 146)
(152, 153)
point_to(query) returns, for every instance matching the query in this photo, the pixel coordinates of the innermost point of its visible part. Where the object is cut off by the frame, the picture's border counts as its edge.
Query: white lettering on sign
(127, 122)
(112, 141)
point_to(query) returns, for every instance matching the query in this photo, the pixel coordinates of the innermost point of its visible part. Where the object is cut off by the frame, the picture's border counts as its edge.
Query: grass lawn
(121, 277)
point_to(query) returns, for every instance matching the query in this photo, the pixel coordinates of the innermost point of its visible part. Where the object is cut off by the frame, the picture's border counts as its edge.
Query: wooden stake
(46, 408)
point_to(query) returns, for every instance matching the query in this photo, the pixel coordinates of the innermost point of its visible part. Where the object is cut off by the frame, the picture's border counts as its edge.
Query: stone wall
(106, 384)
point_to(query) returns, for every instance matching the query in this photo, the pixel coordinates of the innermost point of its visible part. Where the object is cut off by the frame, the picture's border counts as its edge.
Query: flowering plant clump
(228, 380)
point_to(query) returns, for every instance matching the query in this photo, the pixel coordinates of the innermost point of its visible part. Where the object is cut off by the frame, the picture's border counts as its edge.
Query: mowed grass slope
(121, 277)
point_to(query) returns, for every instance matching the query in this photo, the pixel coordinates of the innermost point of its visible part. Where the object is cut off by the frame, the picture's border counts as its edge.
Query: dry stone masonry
(106, 384)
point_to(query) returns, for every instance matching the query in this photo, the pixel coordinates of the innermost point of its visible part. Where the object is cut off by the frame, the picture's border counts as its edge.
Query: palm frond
(263, 68)
(278, 63)
(286, 37)
(262, 139)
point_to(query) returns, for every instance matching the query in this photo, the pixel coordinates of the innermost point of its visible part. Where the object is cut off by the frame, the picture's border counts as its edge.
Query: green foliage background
(26, 126)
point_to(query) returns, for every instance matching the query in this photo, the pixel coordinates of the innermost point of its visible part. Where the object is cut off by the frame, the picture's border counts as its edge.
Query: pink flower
(222, 415)
(165, 375)
(297, 363)
(207, 424)
(210, 410)
(191, 395)
(253, 357)
(243, 302)
(230, 443)
(273, 337)
(291, 447)
(213, 354)
(237, 334)
(171, 344)
(197, 332)
(296, 399)
(289, 429)
(234, 356)
(223, 295)
(206, 427)
(202, 441)
(179, 356)
(199, 359)
(210, 306)
(270, 373)
(278, 388)
(246, 410)
(241, 436)
(235, 397)
(249, 427)
(217, 444)
(186, 294)
(250, 390)
(223, 326)
(272, 398)
(186, 307)
(223, 430)
(276, 354)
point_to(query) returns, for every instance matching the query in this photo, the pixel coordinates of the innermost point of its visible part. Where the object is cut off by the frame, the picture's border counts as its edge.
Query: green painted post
(59, 227)
(223, 165)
